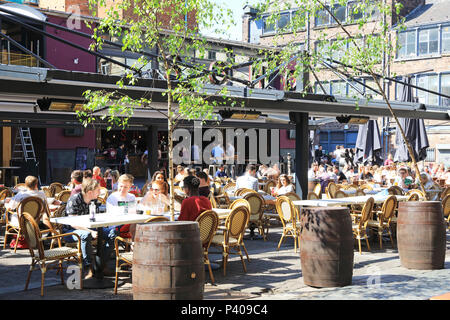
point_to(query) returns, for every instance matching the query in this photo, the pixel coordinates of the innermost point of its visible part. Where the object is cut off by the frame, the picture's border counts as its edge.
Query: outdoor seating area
(237, 216)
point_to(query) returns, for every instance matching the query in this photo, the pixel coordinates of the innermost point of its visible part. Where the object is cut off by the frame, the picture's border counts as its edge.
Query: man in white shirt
(31, 184)
(248, 180)
(121, 197)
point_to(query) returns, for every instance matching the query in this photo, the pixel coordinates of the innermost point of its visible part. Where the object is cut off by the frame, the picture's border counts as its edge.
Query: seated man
(401, 179)
(96, 174)
(221, 172)
(31, 184)
(78, 204)
(76, 179)
(248, 180)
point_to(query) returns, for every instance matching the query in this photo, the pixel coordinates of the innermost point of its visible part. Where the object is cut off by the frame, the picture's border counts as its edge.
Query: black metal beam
(18, 45)
(301, 153)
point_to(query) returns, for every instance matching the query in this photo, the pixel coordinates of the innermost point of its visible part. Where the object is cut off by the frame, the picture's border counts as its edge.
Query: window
(339, 13)
(352, 92)
(284, 21)
(407, 44)
(318, 89)
(212, 55)
(354, 12)
(428, 41)
(339, 52)
(430, 83)
(445, 89)
(322, 18)
(446, 39)
(267, 26)
(339, 88)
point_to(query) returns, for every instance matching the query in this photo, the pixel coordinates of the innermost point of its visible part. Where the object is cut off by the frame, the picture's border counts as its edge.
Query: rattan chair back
(340, 194)
(317, 190)
(446, 206)
(58, 187)
(312, 196)
(33, 205)
(256, 205)
(366, 213)
(395, 190)
(445, 193)
(413, 197)
(292, 196)
(243, 191)
(208, 221)
(332, 188)
(236, 222)
(388, 209)
(5, 193)
(157, 219)
(63, 196)
(285, 209)
(30, 230)
(269, 184)
(415, 191)
(239, 202)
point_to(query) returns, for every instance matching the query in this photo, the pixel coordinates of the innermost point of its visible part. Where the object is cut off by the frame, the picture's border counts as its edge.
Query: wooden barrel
(421, 235)
(168, 262)
(326, 246)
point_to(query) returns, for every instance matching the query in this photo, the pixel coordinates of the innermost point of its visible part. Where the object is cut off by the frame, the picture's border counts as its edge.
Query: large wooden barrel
(168, 261)
(326, 246)
(421, 235)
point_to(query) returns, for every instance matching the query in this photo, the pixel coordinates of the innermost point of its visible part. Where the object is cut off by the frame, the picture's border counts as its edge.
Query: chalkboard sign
(81, 155)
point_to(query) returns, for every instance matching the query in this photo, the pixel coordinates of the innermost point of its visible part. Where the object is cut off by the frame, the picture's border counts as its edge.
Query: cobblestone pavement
(271, 275)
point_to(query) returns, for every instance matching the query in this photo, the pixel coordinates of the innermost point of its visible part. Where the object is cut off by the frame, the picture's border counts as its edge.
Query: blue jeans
(109, 235)
(86, 244)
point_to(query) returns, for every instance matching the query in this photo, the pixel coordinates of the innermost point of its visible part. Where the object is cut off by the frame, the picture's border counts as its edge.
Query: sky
(235, 33)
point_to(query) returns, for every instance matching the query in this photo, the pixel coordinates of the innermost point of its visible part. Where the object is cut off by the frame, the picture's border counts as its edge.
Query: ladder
(23, 148)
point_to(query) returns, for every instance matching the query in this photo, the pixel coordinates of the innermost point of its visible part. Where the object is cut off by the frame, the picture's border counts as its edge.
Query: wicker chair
(446, 209)
(103, 193)
(413, 197)
(312, 196)
(383, 223)
(419, 193)
(331, 190)
(269, 184)
(49, 192)
(5, 193)
(445, 193)
(340, 194)
(318, 190)
(63, 196)
(288, 216)
(395, 190)
(58, 187)
(292, 196)
(233, 236)
(46, 259)
(229, 186)
(242, 191)
(208, 222)
(127, 257)
(239, 202)
(256, 212)
(360, 225)
(34, 206)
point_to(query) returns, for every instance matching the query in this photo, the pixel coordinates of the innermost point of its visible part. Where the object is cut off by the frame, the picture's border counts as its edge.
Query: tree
(362, 43)
(165, 33)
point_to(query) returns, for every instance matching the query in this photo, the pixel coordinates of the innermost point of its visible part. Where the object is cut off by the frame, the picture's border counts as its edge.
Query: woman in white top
(284, 186)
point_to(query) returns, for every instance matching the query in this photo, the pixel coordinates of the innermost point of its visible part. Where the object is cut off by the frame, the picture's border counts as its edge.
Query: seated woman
(204, 187)
(283, 186)
(194, 204)
(158, 193)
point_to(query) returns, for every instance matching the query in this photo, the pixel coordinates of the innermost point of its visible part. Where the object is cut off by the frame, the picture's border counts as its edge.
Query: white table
(345, 201)
(265, 197)
(101, 220)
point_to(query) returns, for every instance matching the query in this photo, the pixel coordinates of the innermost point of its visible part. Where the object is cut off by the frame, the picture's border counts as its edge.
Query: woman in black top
(204, 188)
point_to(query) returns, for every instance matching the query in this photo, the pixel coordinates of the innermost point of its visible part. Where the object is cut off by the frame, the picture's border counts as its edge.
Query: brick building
(424, 55)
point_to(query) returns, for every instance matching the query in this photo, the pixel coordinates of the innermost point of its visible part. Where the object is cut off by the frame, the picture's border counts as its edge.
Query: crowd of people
(389, 174)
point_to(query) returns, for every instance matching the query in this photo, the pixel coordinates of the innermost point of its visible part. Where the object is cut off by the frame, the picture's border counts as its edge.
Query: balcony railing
(18, 59)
